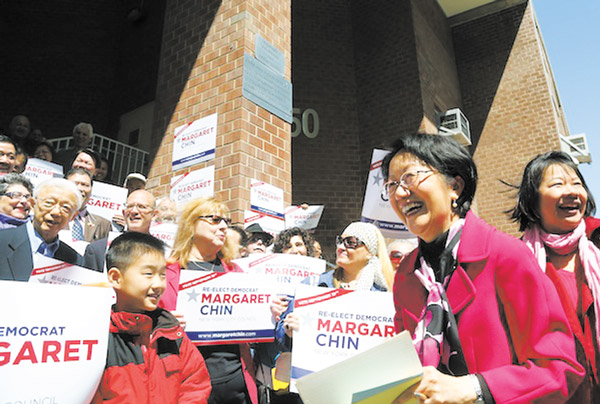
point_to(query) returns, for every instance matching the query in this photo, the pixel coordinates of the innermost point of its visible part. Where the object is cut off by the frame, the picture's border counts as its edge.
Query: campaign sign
(193, 185)
(308, 219)
(53, 342)
(336, 324)
(270, 224)
(164, 232)
(38, 170)
(376, 208)
(226, 307)
(266, 199)
(194, 142)
(283, 268)
(107, 200)
(52, 271)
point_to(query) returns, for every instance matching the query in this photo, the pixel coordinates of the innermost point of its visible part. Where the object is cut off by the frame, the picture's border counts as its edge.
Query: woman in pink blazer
(553, 208)
(486, 323)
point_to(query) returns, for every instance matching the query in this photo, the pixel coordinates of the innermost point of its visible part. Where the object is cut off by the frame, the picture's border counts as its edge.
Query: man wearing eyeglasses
(139, 211)
(56, 201)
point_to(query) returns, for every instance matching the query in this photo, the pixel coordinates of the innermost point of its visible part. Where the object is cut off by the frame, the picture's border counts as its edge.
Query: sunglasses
(214, 219)
(396, 255)
(349, 242)
(266, 240)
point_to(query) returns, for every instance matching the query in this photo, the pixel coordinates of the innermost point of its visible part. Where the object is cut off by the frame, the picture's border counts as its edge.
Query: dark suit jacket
(95, 227)
(16, 258)
(95, 255)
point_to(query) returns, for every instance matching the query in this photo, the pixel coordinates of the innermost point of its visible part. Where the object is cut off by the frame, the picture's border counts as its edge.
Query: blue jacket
(324, 280)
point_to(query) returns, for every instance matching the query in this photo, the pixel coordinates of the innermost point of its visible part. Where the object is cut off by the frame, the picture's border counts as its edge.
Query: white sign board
(226, 308)
(266, 199)
(193, 185)
(53, 341)
(270, 224)
(107, 200)
(284, 268)
(194, 142)
(376, 209)
(336, 324)
(52, 271)
(307, 219)
(38, 170)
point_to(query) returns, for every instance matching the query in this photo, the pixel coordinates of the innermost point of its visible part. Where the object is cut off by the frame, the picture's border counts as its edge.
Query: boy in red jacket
(150, 359)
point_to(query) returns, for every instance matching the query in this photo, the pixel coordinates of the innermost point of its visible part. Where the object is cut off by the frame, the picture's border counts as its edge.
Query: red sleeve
(195, 381)
(168, 299)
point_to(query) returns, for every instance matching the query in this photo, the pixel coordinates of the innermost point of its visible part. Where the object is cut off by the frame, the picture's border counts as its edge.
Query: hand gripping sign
(226, 308)
(53, 341)
(336, 324)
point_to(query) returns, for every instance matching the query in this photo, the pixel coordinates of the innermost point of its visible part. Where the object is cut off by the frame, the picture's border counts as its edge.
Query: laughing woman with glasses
(201, 245)
(16, 200)
(485, 321)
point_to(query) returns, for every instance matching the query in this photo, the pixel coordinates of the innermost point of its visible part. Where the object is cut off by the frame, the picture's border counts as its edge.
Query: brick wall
(200, 73)
(437, 65)
(506, 98)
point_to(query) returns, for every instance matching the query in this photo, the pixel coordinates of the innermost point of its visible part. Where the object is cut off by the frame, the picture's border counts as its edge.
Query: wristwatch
(477, 387)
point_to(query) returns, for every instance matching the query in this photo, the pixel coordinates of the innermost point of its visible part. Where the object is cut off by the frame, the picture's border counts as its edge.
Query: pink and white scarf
(589, 255)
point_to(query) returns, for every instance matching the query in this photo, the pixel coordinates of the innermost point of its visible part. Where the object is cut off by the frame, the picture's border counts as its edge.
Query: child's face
(141, 285)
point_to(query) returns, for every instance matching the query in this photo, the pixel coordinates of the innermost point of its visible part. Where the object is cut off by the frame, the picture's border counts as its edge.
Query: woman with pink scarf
(553, 207)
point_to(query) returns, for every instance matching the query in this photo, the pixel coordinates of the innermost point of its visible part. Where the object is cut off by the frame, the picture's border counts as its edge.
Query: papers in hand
(377, 375)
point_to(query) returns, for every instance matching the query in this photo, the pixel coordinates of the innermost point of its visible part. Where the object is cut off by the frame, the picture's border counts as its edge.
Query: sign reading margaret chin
(51, 350)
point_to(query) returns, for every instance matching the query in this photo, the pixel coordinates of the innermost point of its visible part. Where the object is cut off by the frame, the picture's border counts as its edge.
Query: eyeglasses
(396, 255)
(17, 195)
(214, 219)
(141, 207)
(349, 242)
(408, 180)
(266, 240)
(49, 204)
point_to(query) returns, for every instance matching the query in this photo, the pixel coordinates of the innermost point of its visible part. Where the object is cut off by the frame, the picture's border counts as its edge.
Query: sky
(571, 35)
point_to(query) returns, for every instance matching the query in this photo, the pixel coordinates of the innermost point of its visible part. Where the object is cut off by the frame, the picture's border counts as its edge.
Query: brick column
(200, 73)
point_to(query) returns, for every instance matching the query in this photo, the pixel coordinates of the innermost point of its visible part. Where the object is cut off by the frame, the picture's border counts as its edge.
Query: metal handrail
(124, 158)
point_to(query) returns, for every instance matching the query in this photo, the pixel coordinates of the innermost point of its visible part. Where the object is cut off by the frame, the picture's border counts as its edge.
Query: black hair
(130, 246)
(21, 151)
(283, 240)
(6, 139)
(108, 169)
(526, 211)
(93, 154)
(46, 143)
(443, 154)
(244, 237)
(80, 170)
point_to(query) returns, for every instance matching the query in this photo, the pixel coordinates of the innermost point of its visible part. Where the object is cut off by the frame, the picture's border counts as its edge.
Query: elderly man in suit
(85, 225)
(56, 201)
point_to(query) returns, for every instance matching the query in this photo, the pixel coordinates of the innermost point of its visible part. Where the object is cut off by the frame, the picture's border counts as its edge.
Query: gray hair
(61, 183)
(9, 179)
(82, 125)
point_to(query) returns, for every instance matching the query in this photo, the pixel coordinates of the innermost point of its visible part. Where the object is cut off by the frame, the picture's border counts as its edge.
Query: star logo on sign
(193, 295)
(377, 178)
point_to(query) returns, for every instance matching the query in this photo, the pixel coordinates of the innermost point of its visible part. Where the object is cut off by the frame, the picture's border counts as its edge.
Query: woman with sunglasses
(16, 200)
(362, 264)
(201, 245)
(486, 323)
(553, 208)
